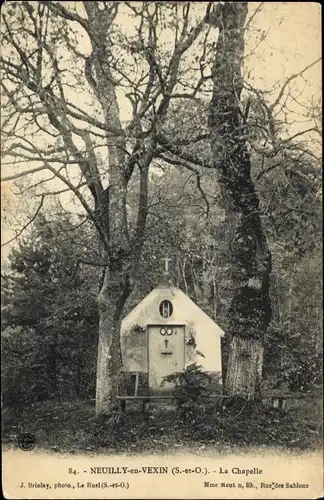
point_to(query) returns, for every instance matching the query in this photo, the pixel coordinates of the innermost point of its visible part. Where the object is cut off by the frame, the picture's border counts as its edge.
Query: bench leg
(136, 383)
(123, 405)
(144, 402)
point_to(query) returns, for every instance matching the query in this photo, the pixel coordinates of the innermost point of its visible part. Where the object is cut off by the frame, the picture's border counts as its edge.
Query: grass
(72, 427)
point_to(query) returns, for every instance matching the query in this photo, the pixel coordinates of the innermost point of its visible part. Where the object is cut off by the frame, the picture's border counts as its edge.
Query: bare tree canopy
(177, 69)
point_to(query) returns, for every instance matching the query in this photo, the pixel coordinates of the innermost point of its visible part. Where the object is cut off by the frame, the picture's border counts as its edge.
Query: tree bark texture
(250, 309)
(245, 367)
(111, 211)
(113, 294)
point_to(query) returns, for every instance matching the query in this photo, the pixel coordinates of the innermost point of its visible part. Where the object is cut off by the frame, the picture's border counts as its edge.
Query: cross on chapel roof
(166, 260)
(166, 280)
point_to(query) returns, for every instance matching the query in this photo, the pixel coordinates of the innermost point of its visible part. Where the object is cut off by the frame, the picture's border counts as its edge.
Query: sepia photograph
(161, 250)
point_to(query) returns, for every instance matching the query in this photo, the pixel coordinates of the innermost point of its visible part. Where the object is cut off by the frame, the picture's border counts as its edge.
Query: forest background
(52, 274)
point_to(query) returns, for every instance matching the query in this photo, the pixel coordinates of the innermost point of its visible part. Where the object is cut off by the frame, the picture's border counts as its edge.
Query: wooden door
(166, 355)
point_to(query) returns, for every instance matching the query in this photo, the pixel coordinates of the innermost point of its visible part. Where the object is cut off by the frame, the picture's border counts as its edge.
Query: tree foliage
(49, 317)
(106, 106)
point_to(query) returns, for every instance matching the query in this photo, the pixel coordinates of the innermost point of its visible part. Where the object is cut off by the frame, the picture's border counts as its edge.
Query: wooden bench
(280, 400)
(144, 398)
(276, 400)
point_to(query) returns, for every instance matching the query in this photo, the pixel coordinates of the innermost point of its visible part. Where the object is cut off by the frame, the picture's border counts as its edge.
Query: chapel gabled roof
(185, 310)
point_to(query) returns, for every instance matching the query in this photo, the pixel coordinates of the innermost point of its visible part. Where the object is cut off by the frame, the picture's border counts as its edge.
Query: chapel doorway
(166, 355)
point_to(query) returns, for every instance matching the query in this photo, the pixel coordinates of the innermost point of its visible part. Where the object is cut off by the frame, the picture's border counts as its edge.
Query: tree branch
(22, 174)
(173, 149)
(187, 165)
(28, 223)
(58, 8)
(292, 77)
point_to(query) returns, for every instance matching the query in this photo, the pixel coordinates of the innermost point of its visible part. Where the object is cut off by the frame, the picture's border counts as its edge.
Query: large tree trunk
(250, 309)
(109, 357)
(245, 367)
(112, 296)
(111, 210)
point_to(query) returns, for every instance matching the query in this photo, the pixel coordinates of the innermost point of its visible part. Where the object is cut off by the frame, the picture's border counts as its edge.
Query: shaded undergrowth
(72, 426)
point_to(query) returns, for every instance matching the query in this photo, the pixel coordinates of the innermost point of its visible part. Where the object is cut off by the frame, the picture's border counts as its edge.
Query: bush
(72, 426)
(191, 390)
